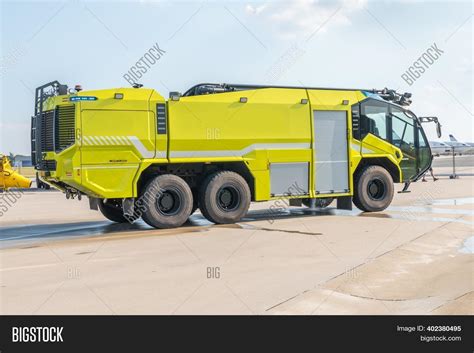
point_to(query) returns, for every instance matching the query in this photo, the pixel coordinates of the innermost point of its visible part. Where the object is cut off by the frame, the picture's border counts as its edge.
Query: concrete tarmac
(59, 257)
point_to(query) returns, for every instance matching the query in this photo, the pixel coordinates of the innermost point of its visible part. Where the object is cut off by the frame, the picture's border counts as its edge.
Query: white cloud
(298, 18)
(255, 10)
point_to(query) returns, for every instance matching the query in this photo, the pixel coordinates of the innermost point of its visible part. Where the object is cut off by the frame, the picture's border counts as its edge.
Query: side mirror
(438, 129)
(174, 96)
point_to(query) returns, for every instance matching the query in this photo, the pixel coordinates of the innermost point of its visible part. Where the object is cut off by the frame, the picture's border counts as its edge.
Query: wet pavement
(29, 234)
(59, 257)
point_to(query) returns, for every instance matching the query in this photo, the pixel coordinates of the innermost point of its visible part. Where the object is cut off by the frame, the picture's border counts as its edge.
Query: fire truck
(219, 147)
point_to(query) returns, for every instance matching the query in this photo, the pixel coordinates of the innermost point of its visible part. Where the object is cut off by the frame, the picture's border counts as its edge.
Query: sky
(340, 43)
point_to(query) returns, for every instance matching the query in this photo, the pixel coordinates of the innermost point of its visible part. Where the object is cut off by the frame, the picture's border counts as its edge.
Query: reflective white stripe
(343, 161)
(123, 140)
(108, 167)
(120, 140)
(364, 149)
(109, 140)
(140, 147)
(114, 140)
(242, 152)
(367, 151)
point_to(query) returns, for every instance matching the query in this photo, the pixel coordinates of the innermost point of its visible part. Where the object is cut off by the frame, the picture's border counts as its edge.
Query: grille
(47, 165)
(65, 127)
(51, 130)
(356, 122)
(47, 131)
(161, 118)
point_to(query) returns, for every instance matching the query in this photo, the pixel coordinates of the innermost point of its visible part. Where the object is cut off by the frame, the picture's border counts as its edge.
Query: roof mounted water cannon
(393, 96)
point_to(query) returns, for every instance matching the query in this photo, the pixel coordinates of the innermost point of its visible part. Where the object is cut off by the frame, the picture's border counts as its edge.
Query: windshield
(408, 135)
(401, 128)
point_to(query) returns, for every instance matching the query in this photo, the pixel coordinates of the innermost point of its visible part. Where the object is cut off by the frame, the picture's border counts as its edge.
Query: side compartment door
(331, 168)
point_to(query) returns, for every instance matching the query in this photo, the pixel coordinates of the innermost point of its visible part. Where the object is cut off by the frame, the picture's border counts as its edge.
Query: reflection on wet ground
(452, 202)
(427, 209)
(14, 235)
(468, 246)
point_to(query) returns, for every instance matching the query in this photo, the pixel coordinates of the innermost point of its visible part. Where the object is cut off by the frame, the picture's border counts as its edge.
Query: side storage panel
(289, 179)
(331, 152)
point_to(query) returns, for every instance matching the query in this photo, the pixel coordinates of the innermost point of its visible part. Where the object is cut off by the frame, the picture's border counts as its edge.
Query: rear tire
(167, 202)
(224, 197)
(373, 189)
(112, 210)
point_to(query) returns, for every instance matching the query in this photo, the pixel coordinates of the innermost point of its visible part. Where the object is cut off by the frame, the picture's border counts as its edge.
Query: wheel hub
(166, 201)
(376, 189)
(169, 202)
(228, 198)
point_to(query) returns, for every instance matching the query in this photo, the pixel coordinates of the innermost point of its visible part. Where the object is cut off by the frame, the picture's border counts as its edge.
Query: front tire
(373, 189)
(167, 202)
(224, 197)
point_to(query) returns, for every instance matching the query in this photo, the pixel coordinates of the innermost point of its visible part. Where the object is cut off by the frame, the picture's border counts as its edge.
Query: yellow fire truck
(218, 147)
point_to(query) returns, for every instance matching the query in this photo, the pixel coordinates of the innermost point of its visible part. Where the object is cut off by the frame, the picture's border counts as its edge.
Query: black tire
(40, 184)
(167, 202)
(195, 202)
(224, 197)
(112, 210)
(320, 202)
(373, 189)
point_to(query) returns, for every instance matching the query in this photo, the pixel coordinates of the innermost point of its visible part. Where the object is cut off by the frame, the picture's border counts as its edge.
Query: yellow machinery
(10, 178)
(218, 147)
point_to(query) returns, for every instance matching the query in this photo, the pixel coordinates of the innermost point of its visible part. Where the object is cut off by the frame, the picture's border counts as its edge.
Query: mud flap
(93, 203)
(296, 202)
(344, 203)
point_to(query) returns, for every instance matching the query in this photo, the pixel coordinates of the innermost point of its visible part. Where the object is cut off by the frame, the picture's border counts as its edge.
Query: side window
(421, 139)
(403, 132)
(373, 118)
(398, 130)
(424, 151)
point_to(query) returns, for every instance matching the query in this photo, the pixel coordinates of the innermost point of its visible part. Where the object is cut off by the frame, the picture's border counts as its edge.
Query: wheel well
(195, 173)
(384, 163)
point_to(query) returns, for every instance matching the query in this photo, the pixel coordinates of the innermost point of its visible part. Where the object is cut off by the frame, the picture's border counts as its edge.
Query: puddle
(452, 202)
(411, 217)
(27, 234)
(428, 209)
(67, 229)
(467, 246)
(252, 227)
